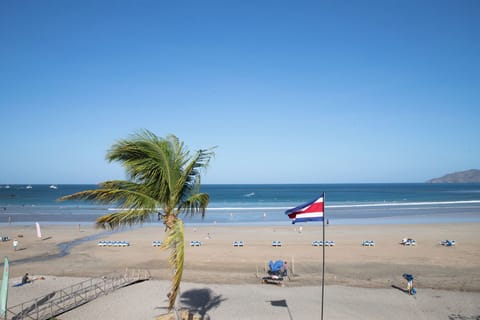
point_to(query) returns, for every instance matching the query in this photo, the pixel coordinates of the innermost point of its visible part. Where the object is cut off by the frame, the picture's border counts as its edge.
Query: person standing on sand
(410, 286)
(409, 279)
(15, 244)
(284, 269)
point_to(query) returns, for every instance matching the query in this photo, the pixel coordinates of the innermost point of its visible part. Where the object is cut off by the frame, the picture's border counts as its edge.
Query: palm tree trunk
(176, 244)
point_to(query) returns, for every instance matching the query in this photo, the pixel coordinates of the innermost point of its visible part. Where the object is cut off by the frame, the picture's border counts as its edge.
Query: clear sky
(289, 91)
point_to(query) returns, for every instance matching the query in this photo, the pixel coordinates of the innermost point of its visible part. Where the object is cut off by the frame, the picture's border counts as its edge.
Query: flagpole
(323, 260)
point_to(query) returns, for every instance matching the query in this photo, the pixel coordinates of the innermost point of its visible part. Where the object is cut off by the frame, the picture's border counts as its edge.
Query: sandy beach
(362, 282)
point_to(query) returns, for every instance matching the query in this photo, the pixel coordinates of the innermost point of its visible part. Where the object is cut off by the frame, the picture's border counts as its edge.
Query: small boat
(53, 186)
(29, 187)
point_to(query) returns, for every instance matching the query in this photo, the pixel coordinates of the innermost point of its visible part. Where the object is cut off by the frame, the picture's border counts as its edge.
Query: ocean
(252, 204)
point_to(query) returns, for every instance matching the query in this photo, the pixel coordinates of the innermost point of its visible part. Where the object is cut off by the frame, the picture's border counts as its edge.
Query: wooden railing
(60, 301)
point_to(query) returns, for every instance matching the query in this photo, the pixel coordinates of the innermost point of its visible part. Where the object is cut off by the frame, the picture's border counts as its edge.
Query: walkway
(63, 300)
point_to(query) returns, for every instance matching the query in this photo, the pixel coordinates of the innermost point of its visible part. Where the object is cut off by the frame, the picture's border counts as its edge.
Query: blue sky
(289, 91)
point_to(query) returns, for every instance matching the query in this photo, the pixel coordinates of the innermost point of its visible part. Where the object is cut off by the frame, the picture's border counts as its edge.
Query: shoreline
(471, 216)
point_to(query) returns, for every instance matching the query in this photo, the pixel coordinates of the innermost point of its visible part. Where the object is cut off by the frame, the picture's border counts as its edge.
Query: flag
(4, 290)
(310, 211)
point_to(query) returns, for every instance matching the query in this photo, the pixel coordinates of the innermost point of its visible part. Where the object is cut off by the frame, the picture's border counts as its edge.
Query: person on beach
(410, 286)
(284, 269)
(409, 279)
(26, 279)
(15, 244)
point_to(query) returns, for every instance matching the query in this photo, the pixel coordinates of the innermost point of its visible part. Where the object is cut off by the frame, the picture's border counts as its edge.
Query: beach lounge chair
(276, 243)
(156, 243)
(238, 243)
(316, 243)
(329, 243)
(368, 243)
(116, 243)
(408, 242)
(195, 243)
(448, 243)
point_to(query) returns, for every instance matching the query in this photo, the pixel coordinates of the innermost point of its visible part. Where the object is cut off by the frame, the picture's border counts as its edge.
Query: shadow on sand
(27, 310)
(281, 303)
(401, 289)
(201, 301)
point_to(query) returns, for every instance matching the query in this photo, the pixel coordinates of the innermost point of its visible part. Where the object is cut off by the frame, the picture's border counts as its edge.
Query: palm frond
(119, 219)
(135, 204)
(189, 183)
(176, 244)
(123, 198)
(196, 203)
(148, 160)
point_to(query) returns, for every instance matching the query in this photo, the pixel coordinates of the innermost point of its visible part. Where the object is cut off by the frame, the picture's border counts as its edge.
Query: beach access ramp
(60, 301)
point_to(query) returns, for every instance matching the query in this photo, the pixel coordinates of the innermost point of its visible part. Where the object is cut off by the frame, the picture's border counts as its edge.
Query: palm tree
(163, 178)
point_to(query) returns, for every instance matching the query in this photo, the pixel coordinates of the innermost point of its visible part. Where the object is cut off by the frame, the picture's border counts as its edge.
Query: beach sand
(361, 282)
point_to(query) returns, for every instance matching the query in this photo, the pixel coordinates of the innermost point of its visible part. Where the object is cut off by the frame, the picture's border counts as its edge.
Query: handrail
(66, 299)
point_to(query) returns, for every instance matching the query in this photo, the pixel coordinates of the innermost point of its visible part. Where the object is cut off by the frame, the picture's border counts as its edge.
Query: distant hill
(469, 176)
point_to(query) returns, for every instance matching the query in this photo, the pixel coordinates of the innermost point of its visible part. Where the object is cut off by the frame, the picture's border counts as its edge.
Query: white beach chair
(238, 243)
(410, 242)
(330, 243)
(276, 243)
(195, 243)
(368, 243)
(448, 243)
(156, 243)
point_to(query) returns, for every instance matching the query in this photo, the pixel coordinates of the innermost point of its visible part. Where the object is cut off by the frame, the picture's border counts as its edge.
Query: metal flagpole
(323, 260)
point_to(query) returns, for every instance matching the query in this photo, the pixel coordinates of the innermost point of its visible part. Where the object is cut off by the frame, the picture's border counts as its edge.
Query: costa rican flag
(310, 211)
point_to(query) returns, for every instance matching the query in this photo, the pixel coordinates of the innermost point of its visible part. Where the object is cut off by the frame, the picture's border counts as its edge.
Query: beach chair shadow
(201, 301)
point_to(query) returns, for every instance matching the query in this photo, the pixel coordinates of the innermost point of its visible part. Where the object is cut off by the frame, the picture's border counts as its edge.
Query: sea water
(266, 203)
